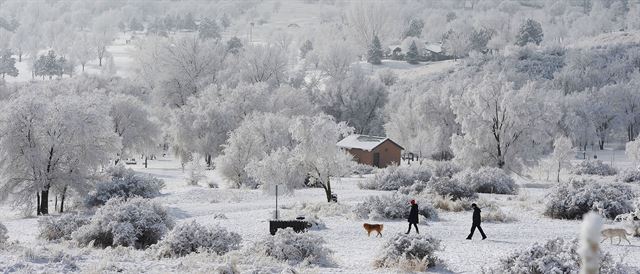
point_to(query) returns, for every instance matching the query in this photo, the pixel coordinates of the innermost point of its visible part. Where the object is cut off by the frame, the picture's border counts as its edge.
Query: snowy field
(248, 212)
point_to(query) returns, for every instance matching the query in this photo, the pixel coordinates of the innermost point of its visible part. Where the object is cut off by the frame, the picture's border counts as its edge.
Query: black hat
(474, 205)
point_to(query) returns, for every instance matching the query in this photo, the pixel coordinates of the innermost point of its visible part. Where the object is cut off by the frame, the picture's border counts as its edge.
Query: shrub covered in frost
(593, 167)
(488, 180)
(295, 248)
(417, 188)
(445, 186)
(3, 234)
(554, 256)
(573, 199)
(136, 222)
(395, 177)
(124, 183)
(445, 169)
(629, 176)
(360, 169)
(192, 237)
(54, 228)
(392, 207)
(409, 252)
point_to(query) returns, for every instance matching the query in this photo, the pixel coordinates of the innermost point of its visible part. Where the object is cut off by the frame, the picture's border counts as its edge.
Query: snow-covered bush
(415, 189)
(554, 256)
(392, 207)
(124, 183)
(136, 222)
(445, 186)
(409, 252)
(192, 237)
(495, 214)
(573, 199)
(488, 180)
(447, 203)
(395, 177)
(54, 228)
(445, 169)
(589, 167)
(295, 248)
(324, 209)
(360, 169)
(3, 234)
(629, 176)
(196, 173)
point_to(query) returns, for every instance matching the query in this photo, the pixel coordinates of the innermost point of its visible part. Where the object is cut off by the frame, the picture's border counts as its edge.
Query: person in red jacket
(413, 217)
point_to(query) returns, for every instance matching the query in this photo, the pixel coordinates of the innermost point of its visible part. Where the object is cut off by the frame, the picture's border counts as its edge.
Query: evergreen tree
(225, 21)
(234, 45)
(7, 64)
(48, 65)
(374, 55)
(530, 32)
(412, 54)
(306, 47)
(158, 28)
(208, 29)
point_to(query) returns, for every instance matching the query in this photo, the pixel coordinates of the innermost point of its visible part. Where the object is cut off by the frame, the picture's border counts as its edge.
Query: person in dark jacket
(476, 222)
(413, 217)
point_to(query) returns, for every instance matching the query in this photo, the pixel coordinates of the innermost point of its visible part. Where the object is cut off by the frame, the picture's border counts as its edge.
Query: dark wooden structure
(372, 150)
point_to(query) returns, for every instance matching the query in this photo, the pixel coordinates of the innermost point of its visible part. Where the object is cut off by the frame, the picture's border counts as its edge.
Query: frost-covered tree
(103, 30)
(414, 29)
(632, 150)
(530, 32)
(7, 64)
(368, 20)
(48, 65)
(134, 124)
(254, 139)
(208, 29)
(562, 154)
(501, 126)
(265, 64)
(52, 139)
(336, 58)
(374, 53)
(180, 69)
(316, 149)
(19, 40)
(135, 25)
(357, 100)
(456, 43)
(413, 55)
(83, 50)
(279, 168)
(590, 243)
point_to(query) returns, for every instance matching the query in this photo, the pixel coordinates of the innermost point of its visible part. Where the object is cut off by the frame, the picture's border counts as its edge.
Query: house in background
(372, 150)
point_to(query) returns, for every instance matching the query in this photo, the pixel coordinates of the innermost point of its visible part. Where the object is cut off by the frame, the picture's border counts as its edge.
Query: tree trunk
(64, 194)
(558, 178)
(19, 57)
(100, 61)
(146, 159)
(208, 159)
(39, 212)
(44, 201)
(82, 67)
(55, 203)
(327, 190)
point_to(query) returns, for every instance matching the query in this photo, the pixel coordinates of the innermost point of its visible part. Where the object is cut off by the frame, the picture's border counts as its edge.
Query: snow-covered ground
(248, 212)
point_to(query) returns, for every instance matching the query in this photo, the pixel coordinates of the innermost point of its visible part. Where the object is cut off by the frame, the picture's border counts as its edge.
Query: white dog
(610, 233)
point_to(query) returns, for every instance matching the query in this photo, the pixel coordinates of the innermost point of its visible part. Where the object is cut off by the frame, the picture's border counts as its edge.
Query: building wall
(389, 154)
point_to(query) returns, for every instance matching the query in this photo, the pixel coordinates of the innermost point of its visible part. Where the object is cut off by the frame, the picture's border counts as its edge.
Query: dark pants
(414, 225)
(473, 228)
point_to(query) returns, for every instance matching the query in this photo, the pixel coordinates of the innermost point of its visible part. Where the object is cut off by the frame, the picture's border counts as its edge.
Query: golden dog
(373, 227)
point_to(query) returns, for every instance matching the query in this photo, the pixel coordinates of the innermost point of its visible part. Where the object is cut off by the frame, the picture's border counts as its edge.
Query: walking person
(476, 222)
(413, 217)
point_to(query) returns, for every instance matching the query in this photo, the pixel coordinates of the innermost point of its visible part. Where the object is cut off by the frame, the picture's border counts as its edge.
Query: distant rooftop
(364, 142)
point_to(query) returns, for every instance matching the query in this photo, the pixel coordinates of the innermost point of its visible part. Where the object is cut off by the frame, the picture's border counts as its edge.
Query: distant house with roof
(372, 150)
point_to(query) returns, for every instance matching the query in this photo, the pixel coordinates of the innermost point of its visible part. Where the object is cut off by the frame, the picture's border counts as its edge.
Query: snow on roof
(364, 142)
(433, 47)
